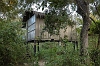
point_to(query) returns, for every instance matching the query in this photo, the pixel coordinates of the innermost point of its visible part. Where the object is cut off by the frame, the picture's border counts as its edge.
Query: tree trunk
(84, 37)
(83, 10)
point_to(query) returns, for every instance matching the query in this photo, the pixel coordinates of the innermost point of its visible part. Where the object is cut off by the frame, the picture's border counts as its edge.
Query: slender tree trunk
(83, 10)
(84, 37)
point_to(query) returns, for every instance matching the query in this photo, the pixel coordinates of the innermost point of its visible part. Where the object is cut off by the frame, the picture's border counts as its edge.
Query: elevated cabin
(34, 23)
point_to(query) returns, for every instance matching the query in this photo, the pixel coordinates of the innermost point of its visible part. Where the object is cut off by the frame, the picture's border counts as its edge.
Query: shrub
(12, 48)
(95, 56)
(55, 55)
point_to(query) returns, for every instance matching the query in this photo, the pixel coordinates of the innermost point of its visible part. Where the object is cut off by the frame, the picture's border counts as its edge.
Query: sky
(34, 7)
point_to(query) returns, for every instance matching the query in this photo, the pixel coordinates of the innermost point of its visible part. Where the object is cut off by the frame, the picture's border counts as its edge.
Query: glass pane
(31, 35)
(31, 20)
(32, 27)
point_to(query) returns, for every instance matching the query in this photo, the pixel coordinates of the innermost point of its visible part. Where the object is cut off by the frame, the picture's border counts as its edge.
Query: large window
(31, 28)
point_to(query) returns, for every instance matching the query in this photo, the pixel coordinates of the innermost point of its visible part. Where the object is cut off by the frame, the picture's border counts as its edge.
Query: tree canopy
(57, 16)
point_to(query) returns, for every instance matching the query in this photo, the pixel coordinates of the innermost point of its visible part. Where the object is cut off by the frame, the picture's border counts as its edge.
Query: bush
(95, 56)
(12, 48)
(55, 55)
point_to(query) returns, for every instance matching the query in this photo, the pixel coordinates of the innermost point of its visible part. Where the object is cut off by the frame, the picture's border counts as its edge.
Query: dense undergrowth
(14, 51)
(12, 44)
(58, 55)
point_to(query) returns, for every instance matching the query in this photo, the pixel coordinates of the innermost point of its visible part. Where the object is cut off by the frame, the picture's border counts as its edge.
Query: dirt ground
(40, 63)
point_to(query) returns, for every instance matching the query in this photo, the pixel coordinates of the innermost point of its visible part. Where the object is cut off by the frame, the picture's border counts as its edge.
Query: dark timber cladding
(29, 14)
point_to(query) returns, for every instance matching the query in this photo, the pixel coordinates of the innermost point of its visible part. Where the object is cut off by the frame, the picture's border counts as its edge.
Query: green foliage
(54, 21)
(95, 56)
(12, 48)
(95, 27)
(56, 55)
(7, 5)
(11, 9)
(57, 15)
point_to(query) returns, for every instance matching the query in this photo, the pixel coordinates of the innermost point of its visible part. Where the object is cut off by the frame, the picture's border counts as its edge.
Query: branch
(93, 20)
(79, 5)
(96, 9)
(94, 23)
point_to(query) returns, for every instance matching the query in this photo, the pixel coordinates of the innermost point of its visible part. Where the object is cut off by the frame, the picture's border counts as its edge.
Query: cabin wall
(65, 32)
(39, 26)
(69, 32)
(39, 32)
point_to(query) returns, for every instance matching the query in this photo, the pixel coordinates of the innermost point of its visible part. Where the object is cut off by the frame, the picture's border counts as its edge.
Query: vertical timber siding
(69, 32)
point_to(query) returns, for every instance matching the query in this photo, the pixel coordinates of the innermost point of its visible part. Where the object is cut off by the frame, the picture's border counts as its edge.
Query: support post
(38, 45)
(34, 47)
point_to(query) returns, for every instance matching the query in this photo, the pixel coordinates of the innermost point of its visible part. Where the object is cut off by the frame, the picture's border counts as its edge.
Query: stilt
(34, 47)
(74, 45)
(38, 45)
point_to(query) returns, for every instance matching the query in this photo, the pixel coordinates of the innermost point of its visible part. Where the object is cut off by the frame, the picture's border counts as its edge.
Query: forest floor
(40, 63)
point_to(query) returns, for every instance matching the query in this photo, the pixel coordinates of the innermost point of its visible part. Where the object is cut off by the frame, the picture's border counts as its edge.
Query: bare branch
(96, 8)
